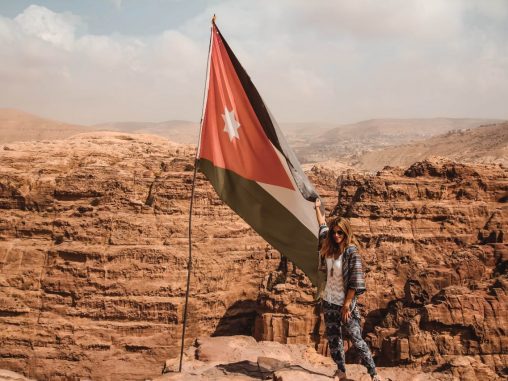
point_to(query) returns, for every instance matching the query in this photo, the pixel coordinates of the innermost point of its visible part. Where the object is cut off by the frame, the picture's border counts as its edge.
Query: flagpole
(189, 260)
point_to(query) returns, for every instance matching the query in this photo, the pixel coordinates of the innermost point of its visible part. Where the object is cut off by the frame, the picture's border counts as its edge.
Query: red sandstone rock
(93, 251)
(433, 249)
(232, 357)
(93, 248)
(7, 375)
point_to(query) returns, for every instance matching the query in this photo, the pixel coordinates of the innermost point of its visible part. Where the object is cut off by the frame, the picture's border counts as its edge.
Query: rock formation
(93, 257)
(242, 358)
(8, 375)
(93, 251)
(433, 248)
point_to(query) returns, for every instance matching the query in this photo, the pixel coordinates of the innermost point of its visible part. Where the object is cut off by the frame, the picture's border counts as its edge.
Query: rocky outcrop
(93, 257)
(7, 375)
(93, 261)
(242, 358)
(433, 248)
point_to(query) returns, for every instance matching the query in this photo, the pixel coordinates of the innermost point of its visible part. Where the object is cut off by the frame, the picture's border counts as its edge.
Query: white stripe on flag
(293, 200)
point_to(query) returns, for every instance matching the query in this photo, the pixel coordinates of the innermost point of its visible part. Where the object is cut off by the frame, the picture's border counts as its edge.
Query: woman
(345, 281)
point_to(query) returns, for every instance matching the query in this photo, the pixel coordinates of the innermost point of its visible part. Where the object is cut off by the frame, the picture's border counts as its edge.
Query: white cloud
(420, 19)
(327, 60)
(492, 9)
(46, 68)
(56, 28)
(117, 3)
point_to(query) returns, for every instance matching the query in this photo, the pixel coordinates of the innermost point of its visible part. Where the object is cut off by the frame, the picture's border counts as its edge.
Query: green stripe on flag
(267, 216)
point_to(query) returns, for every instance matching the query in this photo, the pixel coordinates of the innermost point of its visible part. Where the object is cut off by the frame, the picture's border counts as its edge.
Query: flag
(249, 163)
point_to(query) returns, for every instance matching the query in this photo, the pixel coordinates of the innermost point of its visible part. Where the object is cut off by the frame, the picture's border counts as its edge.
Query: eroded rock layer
(435, 256)
(93, 251)
(93, 257)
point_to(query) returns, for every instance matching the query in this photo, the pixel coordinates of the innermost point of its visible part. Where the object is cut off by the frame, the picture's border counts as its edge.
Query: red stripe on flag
(232, 136)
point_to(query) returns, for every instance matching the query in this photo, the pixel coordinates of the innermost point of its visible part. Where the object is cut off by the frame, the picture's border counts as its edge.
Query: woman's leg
(353, 329)
(334, 334)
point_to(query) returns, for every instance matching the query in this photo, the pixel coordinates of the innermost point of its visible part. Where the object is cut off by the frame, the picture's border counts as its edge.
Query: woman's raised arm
(319, 215)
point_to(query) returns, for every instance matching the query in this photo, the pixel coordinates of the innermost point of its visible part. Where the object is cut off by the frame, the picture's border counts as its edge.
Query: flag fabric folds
(249, 163)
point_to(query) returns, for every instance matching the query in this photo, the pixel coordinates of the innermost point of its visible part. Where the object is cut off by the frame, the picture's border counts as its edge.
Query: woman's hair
(330, 247)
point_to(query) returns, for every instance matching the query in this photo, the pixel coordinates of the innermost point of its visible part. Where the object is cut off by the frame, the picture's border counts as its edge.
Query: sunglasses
(338, 232)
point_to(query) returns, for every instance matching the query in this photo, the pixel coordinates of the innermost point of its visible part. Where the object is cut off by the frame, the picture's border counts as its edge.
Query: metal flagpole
(189, 260)
(189, 266)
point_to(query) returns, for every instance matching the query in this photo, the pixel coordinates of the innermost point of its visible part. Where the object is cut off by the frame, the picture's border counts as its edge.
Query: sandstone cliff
(93, 248)
(433, 246)
(241, 358)
(93, 251)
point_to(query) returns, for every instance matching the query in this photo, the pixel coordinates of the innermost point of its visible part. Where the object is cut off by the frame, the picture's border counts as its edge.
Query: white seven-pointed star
(231, 124)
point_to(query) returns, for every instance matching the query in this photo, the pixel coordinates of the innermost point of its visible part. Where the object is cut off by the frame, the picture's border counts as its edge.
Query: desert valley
(94, 240)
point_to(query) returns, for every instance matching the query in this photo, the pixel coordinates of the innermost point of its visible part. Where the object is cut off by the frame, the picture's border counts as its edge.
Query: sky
(330, 61)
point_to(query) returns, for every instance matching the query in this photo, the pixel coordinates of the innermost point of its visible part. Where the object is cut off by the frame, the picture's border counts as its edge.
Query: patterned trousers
(334, 327)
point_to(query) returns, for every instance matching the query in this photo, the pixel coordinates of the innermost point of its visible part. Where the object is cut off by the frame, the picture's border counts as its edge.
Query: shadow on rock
(248, 368)
(238, 320)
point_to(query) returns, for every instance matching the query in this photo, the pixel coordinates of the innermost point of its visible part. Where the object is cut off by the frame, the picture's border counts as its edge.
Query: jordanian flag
(249, 163)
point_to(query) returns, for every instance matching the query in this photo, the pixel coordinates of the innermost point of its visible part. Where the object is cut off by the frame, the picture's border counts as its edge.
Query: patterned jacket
(352, 269)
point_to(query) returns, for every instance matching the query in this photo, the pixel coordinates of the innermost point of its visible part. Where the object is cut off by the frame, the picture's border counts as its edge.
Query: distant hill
(16, 125)
(178, 131)
(181, 131)
(485, 144)
(422, 127)
(298, 135)
(368, 145)
(346, 142)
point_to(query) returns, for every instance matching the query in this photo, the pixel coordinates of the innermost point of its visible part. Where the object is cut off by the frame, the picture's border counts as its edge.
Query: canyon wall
(433, 247)
(93, 257)
(93, 261)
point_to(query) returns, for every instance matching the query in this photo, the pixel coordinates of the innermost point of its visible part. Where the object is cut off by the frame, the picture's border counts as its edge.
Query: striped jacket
(352, 269)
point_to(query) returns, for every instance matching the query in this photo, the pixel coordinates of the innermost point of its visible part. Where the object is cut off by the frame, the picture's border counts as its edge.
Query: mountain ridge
(484, 144)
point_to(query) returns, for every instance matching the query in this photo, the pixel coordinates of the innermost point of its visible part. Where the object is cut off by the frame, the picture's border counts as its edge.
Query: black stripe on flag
(254, 97)
(270, 128)
(267, 216)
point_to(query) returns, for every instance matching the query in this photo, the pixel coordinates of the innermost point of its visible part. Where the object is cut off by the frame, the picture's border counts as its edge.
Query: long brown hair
(330, 247)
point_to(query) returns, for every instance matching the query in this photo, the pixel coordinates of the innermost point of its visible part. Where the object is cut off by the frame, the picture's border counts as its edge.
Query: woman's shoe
(339, 375)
